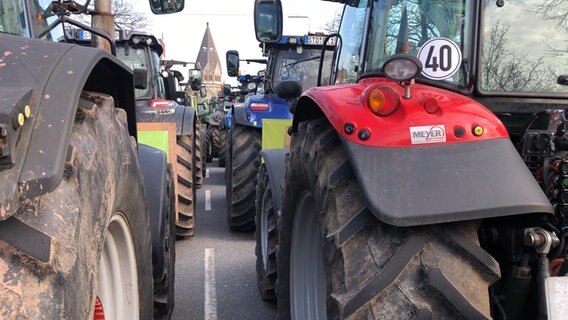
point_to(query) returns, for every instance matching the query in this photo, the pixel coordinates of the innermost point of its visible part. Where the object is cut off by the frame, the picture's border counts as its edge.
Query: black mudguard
(240, 114)
(49, 77)
(275, 162)
(444, 183)
(182, 116)
(153, 165)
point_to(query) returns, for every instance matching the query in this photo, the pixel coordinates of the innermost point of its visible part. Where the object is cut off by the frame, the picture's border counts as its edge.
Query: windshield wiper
(287, 66)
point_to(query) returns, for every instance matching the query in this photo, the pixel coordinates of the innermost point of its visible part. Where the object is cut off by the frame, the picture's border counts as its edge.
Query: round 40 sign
(440, 58)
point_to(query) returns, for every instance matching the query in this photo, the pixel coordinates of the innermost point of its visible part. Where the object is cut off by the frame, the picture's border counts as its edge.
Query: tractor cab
(479, 48)
(292, 58)
(185, 93)
(509, 55)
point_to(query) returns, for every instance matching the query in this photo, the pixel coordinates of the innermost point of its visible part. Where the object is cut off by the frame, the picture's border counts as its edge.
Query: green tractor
(161, 121)
(86, 212)
(188, 94)
(214, 117)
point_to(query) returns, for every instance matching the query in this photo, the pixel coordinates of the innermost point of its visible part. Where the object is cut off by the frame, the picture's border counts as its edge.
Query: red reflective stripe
(161, 103)
(258, 106)
(99, 313)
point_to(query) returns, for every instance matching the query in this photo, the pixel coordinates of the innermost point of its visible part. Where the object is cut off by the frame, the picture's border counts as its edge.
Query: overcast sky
(232, 26)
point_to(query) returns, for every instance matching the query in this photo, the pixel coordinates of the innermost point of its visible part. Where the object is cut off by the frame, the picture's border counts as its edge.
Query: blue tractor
(294, 58)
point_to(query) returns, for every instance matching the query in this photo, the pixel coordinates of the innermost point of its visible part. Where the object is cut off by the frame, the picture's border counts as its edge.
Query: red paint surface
(346, 104)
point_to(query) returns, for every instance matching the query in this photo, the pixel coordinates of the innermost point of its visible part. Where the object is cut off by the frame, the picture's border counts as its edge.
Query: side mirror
(166, 6)
(268, 20)
(562, 80)
(195, 79)
(178, 75)
(232, 58)
(140, 78)
(195, 74)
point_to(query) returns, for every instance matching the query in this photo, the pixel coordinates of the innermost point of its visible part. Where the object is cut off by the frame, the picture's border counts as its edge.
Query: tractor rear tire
(213, 132)
(200, 156)
(164, 288)
(98, 208)
(185, 188)
(203, 154)
(245, 159)
(209, 139)
(222, 146)
(266, 235)
(337, 261)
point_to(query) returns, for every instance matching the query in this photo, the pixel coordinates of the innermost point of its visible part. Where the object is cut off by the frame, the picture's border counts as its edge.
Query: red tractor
(428, 178)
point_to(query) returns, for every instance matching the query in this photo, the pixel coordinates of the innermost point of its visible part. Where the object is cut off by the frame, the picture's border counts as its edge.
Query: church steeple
(208, 59)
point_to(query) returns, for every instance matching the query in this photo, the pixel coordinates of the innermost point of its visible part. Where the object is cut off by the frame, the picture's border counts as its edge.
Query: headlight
(402, 67)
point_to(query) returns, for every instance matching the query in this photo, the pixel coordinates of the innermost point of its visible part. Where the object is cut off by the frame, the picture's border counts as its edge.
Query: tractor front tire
(222, 146)
(337, 261)
(245, 159)
(213, 132)
(209, 142)
(266, 236)
(164, 288)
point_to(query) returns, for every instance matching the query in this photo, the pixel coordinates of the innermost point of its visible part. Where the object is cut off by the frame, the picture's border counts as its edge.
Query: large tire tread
(75, 217)
(266, 274)
(200, 155)
(164, 288)
(377, 271)
(245, 160)
(185, 190)
(222, 147)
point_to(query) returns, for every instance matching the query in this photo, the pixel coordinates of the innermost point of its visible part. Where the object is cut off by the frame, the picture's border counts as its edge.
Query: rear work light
(382, 100)
(258, 107)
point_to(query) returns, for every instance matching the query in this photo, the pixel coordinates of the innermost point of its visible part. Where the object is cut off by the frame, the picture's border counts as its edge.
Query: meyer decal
(428, 134)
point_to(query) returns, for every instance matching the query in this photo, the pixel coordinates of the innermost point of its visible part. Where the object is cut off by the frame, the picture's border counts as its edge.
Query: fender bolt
(364, 134)
(349, 128)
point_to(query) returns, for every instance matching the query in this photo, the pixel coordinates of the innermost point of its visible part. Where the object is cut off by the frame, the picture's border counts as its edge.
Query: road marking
(210, 290)
(206, 173)
(207, 200)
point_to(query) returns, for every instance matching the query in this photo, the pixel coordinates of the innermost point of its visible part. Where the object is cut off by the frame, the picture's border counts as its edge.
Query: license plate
(318, 40)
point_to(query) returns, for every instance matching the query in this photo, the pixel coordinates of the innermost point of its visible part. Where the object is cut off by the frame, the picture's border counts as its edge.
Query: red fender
(410, 124)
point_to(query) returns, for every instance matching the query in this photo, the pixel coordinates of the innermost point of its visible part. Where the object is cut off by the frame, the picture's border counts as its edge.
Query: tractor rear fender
(434, 183)
(275, 162)
(183, 116)
(185, 120)
(49, 77)
(153, 165)
(240, 114)
(276, 108)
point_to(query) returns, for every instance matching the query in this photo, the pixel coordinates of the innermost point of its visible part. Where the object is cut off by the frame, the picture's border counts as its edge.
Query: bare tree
(555, 10)
(333, 25)
(125, 17)
(509, 71)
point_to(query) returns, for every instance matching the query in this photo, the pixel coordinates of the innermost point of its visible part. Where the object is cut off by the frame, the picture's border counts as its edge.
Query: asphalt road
(215, 269)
